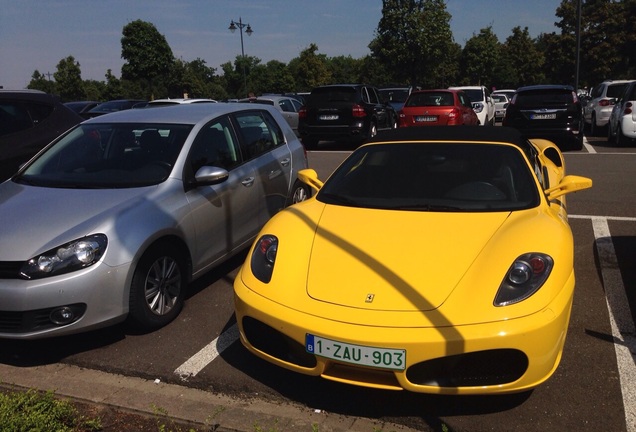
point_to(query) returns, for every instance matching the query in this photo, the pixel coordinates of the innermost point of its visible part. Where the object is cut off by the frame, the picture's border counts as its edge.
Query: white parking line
(588, 146)
(205, 356)
(623, 330)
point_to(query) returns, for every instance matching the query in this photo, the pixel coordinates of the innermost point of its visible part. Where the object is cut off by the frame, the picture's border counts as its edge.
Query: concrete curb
(182, 403)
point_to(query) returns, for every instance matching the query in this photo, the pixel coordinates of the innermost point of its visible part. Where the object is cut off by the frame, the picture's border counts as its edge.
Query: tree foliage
(413, 40)
(68, 80)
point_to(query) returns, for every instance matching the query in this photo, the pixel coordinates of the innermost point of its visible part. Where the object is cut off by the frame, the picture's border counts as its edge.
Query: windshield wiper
(339, 199)
(427, 207)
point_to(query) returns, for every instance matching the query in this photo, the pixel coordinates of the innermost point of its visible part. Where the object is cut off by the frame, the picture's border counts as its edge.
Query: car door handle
(249, 181)
(285, 162)
(274, 174)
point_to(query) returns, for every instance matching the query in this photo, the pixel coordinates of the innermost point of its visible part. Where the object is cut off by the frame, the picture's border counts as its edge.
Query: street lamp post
(233, 26)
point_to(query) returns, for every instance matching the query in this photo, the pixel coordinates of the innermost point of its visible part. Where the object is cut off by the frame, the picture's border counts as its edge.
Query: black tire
(621, 141)
(158, 287)
(593, 126)
(373, 131)
(610, 138)
(300, 192)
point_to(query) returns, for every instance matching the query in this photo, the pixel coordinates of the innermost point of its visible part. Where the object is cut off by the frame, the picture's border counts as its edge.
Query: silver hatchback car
(115, 218)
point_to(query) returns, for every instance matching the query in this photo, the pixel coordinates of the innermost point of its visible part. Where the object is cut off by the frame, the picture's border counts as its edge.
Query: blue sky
(37, 34)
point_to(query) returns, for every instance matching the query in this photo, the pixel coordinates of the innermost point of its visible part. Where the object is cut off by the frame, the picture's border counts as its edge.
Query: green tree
(344, 69)
(520, 63)
(413, 39)
(68, 79)
(273, 77)
(602, 41)
(480, 58)
(237, 76)
(629, 44)
(40, 82)
(149, 58)
(310, 69)
(94, 90)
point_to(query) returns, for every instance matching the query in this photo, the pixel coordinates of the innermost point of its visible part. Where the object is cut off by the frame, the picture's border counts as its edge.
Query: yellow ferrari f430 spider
(436, 260)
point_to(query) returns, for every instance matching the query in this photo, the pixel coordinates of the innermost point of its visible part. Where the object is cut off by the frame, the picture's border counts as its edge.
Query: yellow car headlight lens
(264, 257)
(524, 277)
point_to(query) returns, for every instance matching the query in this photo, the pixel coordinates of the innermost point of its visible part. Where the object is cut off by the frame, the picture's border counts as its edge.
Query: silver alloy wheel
(163, 285)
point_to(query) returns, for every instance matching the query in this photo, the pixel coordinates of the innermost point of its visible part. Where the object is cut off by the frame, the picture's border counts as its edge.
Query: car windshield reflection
(108, 156)
(446, 177)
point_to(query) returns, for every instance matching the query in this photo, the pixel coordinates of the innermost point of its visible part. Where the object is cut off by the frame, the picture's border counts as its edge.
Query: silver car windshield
(434, 177)
(108, 156)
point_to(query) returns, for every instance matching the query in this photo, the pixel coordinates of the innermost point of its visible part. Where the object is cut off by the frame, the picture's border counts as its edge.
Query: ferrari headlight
(524, 277)
(264, 257)
(67, 258)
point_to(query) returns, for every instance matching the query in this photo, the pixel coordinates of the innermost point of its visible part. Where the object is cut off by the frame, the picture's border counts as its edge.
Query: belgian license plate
(425, 118)
(543, 116)
(357, 354)
(329, 117)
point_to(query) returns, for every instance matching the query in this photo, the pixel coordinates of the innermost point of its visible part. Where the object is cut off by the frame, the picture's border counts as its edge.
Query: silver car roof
(177, 114)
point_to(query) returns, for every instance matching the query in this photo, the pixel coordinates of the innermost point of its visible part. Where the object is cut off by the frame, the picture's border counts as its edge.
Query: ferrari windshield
(434, 177)
(108, 156)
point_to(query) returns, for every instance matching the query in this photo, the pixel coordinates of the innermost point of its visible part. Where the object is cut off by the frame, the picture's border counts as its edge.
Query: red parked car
(440, 107)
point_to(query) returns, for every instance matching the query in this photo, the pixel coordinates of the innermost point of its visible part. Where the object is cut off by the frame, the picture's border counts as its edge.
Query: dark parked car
(81, 106)
(113, 106)
(344, 112)
(552, 112)
(29, 120)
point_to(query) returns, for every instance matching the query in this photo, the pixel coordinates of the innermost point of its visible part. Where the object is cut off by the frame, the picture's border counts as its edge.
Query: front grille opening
(492, 367)
(362, 376)
(276, 344)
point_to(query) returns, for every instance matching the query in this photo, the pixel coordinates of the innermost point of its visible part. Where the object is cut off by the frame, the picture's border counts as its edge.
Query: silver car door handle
(285, 161)
(249, 181)
(274, 174)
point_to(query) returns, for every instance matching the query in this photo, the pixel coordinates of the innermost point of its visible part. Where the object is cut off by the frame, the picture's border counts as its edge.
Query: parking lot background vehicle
(287, 105)
(600, 102)
(552, 112)
(344, 112)
(621, 127)
(396, 96)
(482, 103)
(501, 103)
(441, 107)
(138, 203)
(29, 120)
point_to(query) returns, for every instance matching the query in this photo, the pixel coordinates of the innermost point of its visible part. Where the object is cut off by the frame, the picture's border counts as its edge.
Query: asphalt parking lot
(196, 368)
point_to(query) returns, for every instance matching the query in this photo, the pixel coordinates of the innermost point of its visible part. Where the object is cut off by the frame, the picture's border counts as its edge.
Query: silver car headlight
(264, 257)
(478, 107)
(524, 277)
(72, 256)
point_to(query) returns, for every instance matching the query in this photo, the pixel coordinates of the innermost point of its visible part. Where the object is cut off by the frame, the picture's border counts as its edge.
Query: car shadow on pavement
(401, 407)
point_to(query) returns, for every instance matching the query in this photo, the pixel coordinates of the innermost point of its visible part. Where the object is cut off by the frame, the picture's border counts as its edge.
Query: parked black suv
(344, 112)
(29, 120)
(552, 112)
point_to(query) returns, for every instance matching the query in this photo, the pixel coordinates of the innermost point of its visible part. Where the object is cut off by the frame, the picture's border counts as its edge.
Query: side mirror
(310, 177)
(569, 184)
(209, 175)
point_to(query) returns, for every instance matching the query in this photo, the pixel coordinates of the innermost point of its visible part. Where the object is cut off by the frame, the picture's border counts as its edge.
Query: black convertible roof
(455, 133)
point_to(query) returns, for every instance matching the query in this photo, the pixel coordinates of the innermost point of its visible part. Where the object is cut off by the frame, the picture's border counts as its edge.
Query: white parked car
(596, 112)
(179, 101)
(501, 103)
(622, 123)
(483, 104)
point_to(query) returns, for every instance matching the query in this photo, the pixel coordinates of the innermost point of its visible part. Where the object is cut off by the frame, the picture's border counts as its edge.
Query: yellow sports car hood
(394, 260)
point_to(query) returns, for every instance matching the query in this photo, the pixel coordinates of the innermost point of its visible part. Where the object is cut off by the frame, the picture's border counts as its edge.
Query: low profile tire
(157, 289)
(300, 192)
